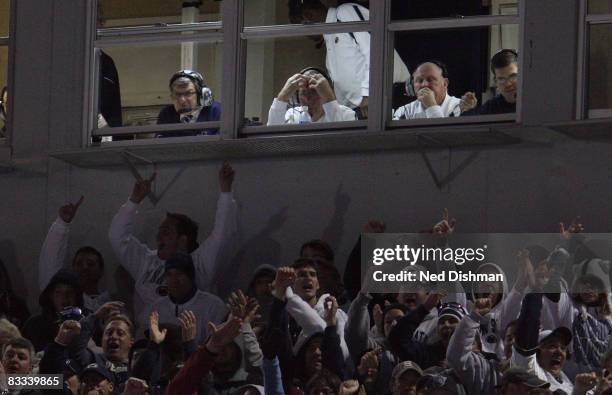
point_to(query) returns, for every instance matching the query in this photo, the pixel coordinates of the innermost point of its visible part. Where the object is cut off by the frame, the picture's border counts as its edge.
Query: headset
(296, 96)
(205, 95)
(410, 82)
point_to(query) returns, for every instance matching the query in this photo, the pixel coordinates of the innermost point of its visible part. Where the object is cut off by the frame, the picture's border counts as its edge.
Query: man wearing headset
(430, 83)
(309, 90)
(504, 65)
(192, 101)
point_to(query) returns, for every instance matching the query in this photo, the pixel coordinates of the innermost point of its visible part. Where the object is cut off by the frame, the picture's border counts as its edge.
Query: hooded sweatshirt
(479, 375)
(41, 329)
(311, 320)
(493, 325)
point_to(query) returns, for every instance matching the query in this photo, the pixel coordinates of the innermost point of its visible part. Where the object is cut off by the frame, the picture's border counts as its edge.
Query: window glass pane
(4, 17)
(275, 86)
(600, 7)
(115, 13)
(142, 74)
(281, 12)
(424, 9)
(600, 68)
(464, 56)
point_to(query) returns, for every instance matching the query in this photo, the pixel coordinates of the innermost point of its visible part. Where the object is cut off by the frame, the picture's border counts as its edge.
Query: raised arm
(54, 249)
(476, 373)
(130, 251)
(199, 364)
(207, 257)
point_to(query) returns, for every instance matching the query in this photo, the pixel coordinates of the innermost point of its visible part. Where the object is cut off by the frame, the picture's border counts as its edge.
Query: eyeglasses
(503, 80)
(186, 95)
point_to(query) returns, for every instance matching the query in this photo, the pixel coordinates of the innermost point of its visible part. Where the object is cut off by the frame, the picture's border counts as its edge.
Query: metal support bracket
(442, 182)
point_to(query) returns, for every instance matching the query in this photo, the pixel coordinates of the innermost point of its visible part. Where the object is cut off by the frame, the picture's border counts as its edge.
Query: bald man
(430, 82)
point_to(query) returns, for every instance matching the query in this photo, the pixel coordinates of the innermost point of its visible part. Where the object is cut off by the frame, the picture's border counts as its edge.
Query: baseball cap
(519, 375)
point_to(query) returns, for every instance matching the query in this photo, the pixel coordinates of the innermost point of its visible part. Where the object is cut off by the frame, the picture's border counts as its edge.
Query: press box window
(451, 73)
(287, 81)
(138, 48)
(4, 61)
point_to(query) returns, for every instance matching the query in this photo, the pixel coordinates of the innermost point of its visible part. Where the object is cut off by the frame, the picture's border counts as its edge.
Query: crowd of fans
(303, 328)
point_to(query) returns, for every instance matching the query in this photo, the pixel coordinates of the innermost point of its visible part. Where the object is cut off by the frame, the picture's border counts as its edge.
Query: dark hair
(303, 262)
(503, 58)
(602, 295)
(90, 250)
(296, 8)
(188, 227)
(394, 306)
(320, 246)
(19, 342)
(325, 377)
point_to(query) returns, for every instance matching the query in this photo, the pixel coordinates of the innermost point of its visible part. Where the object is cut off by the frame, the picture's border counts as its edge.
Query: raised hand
(157, 335)
(446, 225)
(68, 211)
(189, 327)
(285, 277)
(368, 366)
(242, 306)
(604, 383)
(321, 85)
(67, 331)
(108, 310)
(427, 97)
(135, 386)
(364, 106)
(223, 334)
(468, 101)
(226, 177)
(482, 306)
(141, 189)
(574, 227)
(374, 226)
(526, 275)
(585, 382)
(433, 299)
(331, 308)
(291, 86)
(377, 313)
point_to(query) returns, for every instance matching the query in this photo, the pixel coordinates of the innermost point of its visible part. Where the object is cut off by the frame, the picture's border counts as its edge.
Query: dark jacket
(41, 329)
(496, 105)
(169, 115)
(407, 349)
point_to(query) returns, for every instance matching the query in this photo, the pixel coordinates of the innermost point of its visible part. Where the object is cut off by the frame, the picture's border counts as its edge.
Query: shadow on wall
(15, 274)
(13, 291)
(260, 249)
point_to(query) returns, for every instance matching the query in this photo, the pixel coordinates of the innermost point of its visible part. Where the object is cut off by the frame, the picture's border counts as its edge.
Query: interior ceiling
(121, 9)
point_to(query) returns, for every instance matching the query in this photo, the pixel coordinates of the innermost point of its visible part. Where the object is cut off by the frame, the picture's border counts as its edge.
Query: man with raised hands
(177, 233)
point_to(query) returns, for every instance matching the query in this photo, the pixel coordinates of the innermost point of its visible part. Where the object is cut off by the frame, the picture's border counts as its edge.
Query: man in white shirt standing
(430, 82)
(87, 263)
(177, 233)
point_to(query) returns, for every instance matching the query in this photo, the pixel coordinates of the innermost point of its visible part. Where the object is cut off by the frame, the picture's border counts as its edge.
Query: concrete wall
(283, 201)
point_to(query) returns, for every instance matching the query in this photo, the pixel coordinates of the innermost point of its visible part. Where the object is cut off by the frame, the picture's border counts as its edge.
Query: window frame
(234, 35)
(586, 21)
(9, 41)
